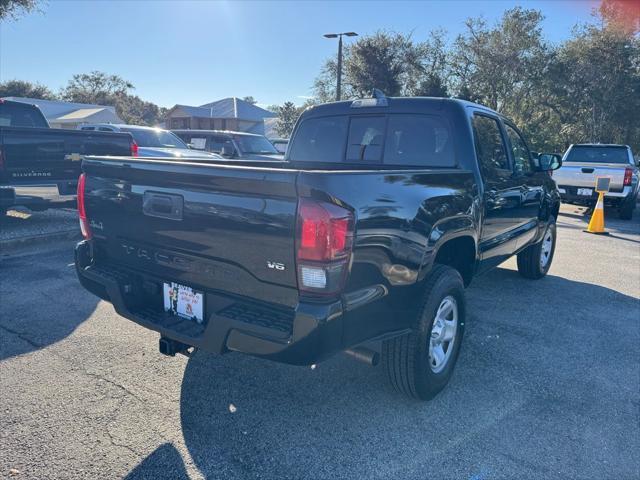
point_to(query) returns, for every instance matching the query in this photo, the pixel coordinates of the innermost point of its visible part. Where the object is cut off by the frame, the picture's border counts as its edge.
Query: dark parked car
(231, 145)
(384, 211)
(32, 154)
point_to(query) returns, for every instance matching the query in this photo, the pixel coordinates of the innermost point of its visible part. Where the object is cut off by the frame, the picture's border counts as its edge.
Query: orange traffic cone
(596, 224)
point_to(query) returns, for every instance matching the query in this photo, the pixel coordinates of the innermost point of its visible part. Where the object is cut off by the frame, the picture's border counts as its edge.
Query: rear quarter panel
(402, 217)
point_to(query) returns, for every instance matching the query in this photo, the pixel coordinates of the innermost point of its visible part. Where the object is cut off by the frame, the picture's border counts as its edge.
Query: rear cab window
(394, 140)
(598, 154)
(21, 115)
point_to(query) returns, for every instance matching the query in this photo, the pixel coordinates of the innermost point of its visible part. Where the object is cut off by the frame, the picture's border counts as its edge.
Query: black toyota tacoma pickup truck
(34, 155)
(367, 234)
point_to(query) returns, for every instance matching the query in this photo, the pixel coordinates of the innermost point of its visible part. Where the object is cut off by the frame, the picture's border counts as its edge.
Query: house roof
(55, 109)
(231, 107)
(101, 114)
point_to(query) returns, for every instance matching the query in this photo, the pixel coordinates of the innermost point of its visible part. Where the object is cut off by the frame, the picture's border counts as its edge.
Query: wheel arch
(456, 245)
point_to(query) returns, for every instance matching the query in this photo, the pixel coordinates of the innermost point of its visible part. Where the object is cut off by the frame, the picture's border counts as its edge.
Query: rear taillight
(82, 211)
(134, 149)
(628, 176)
(325, 240)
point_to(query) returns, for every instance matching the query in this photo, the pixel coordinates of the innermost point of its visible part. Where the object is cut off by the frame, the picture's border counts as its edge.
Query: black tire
(626, 210)
(529, 260)
(407, 357)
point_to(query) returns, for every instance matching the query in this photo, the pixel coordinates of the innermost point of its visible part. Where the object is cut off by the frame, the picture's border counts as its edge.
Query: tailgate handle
(587, 170)
(162, 205)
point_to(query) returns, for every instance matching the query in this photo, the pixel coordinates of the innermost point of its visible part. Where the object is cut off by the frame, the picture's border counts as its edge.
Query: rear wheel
(420, 364)
(535, 260)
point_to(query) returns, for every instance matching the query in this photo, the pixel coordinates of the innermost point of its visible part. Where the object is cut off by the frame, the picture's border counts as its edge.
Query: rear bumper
(569, 194)
(303, 336)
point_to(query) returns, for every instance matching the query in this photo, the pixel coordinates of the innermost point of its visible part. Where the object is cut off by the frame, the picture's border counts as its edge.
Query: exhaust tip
(365, 355)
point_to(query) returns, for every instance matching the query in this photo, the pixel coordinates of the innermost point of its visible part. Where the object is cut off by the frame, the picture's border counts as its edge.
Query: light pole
(339, 36)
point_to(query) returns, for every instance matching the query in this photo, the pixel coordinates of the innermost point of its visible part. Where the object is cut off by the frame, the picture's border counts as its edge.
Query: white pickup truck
(582, 164)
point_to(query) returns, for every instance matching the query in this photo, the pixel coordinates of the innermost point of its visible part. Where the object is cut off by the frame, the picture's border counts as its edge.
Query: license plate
(183, 301)
(585, 191)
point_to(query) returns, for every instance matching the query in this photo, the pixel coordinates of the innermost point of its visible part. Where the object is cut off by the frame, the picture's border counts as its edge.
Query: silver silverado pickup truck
(583, 163)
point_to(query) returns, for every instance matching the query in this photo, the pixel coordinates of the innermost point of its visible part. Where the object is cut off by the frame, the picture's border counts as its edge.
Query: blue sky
(194, 52)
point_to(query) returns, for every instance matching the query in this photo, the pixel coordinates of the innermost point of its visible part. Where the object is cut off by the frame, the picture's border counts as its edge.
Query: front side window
(490, 148)
(521, 158)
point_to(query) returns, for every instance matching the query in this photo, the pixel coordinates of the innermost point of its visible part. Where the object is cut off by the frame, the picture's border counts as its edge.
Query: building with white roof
(69, 115)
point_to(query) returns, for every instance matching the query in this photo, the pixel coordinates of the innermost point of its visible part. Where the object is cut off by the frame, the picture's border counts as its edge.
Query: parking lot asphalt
(21, 226)
(547, 385)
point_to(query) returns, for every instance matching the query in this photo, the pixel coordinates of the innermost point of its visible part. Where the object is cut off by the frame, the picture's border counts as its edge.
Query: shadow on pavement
(164, 462)
(526, 400)
(40, 306)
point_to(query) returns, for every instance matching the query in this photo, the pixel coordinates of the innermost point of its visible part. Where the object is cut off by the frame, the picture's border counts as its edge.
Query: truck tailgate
(585, 175)
(229, 228)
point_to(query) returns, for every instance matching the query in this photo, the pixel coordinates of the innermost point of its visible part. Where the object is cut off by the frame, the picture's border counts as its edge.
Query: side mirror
(549, 161)
(190, 146)
(227, 151)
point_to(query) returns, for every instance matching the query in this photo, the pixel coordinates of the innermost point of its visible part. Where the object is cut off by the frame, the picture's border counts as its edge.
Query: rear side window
(588, 154)
(490, 147)
(12, 115)
(395, 139)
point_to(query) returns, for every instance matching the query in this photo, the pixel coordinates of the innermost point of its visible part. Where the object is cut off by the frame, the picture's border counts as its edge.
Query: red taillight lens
(325, 239)
(134, 149)
(324, 231)
(628, 174)
(82, 211)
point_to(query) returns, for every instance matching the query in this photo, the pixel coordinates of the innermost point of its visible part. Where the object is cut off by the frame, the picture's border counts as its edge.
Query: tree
(135, 111)
(391, 62)
(288, 114)
(14, 8)
(250, 100)
(95, 87)
(104, 89)
(622, 16)
(595, 92)
(505, 67)
(22, 88)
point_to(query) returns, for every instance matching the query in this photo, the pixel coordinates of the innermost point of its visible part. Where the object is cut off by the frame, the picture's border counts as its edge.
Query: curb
(39, 239)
